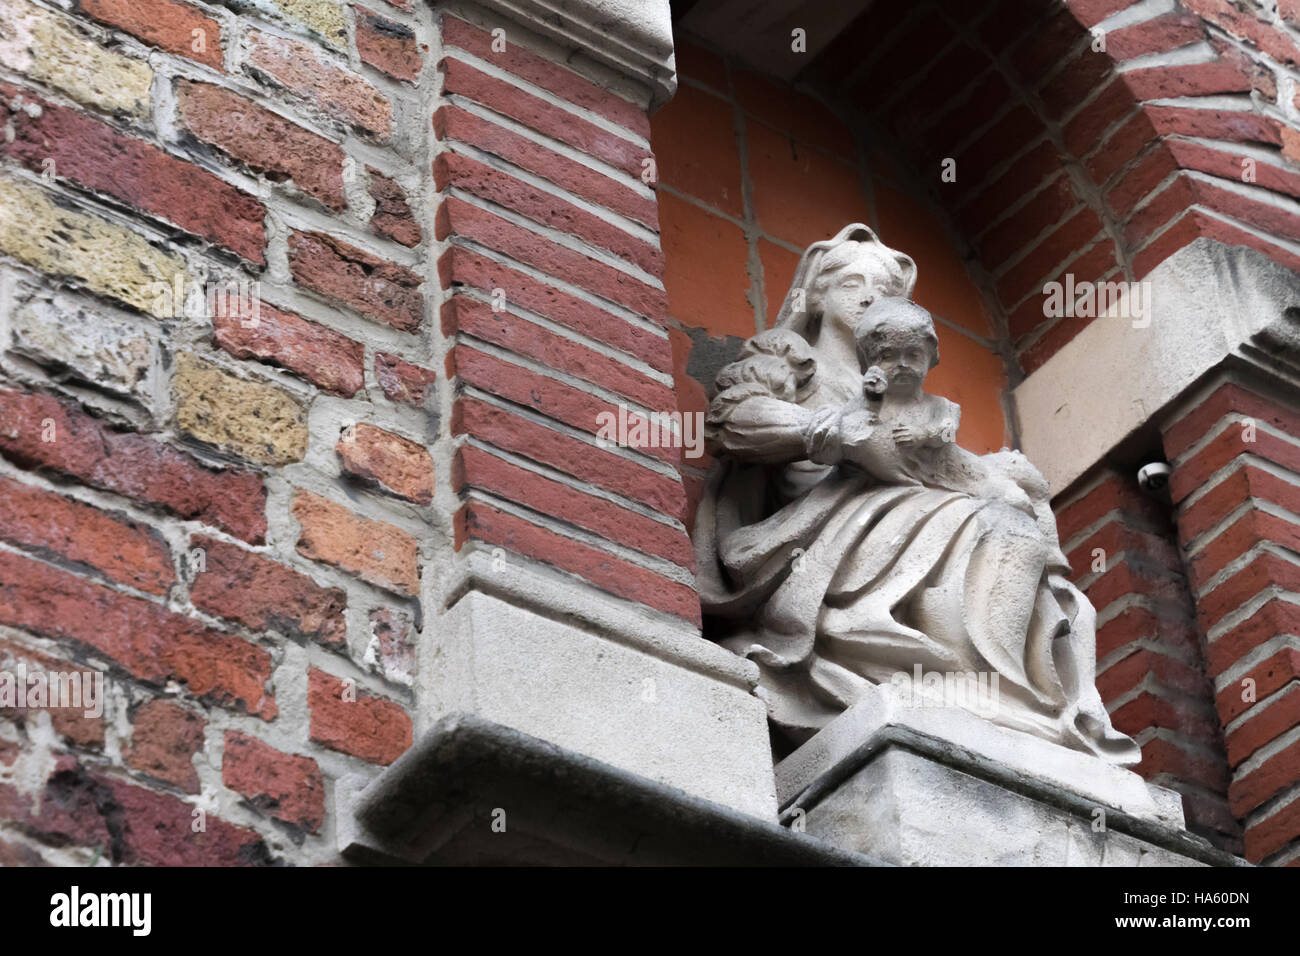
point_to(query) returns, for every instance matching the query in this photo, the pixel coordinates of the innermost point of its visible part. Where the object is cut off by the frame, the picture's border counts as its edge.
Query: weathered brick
(392, 217)
(179, 28)
(45, 47)
(84, 448)
(322, 17)
(380, 290)
(387, 45)
(469, 175)
(340, 94)
(1251, 789)
(121, 549)
(450, 123)
(351, 721)
(285, 786)
(263, 141)
(459, 266)
(98, 157)
(475, 467)
(481, 522)
(397, 464)
(401, 381)
(164, 739)
(478, 319)
(146, 640)
(250, 419)
(462, 79)
(103, 256)
(578, 458)
(260, 594)
(131, 824)
(457, 218)
(376, 552)
(327, 359)
(391, 651)
(58, 330)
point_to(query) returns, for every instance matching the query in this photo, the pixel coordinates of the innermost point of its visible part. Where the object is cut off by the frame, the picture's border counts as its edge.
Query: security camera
(1154, 478)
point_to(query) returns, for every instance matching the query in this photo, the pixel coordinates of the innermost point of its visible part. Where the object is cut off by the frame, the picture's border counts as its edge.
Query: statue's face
(904, 357)
(854, 287)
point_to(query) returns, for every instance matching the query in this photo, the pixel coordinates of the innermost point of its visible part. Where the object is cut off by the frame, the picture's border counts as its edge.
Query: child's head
(778, 359)
(897, 336)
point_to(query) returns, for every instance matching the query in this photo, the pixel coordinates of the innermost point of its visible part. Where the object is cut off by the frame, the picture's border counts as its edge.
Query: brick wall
(751, 172)
(221, 513)
(1074, 158)
(1236, 484)
(1151, 672)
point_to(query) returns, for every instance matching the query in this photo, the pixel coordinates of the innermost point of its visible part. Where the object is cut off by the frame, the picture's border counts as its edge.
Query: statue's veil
(797, 320)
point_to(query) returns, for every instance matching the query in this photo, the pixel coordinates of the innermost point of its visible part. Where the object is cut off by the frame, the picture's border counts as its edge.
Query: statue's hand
(822, 436)
(910, 434)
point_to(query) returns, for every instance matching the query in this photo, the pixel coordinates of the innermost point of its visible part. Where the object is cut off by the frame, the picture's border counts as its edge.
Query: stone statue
(844, 539)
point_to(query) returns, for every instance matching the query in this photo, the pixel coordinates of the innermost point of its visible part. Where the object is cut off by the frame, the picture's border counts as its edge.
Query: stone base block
(939, 786)
(664, 704)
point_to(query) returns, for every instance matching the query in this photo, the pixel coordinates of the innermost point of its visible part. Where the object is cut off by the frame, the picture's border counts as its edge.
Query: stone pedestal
(929, 785)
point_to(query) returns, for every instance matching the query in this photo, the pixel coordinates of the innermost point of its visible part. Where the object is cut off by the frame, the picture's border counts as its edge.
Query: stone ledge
(437, 803)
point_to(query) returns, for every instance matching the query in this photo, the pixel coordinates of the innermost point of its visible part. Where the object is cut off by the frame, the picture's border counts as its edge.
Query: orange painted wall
(750, 173)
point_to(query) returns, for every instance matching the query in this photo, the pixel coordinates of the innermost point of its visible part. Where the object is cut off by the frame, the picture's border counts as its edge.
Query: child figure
(777, 363)
(913, 434)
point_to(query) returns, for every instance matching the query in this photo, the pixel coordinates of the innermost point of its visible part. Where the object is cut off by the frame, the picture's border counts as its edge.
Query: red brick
(1040, 164)
(547, 396)
(350, 721)
(551, 77)
(459, 219)
(1280, 770)
(1097, 261)
(98, 157)
(1140, 181)
(148, 641)
(401, 381)
(166, 24)
(262, 595)
(1066, 92)
(1269, 676)
(1273, 833)
(392, 217)
(131, 824)
(1078, 232)
(459, 266)
(1194, 79)
(322, 356)
(380, 290)
(1007, 138)
(1128, 577)
(475, 467)
(1264, 571)
(129, 464)
(1149, 665)
(570, 455)
(480, 522)
(123, 550)
(1047, 47)
(471, 176)
(1114, 493)
(1239, 537)
(1265, 723)
(263, 141)
(1266, 217)
(453, 124)
(285, 786)
(1274, 617)
(376, 552)
(1085, 130)
(1118, 539)
(1168, 627)
(1162, 756)
(1234, 125)
(1245, 24)
(1161, 34)
(1150, 711)
(1186, 229)
(808, 120)
(1120, 148)
(464, 80)
(343, 95)
(387, 45)
(1043, 211)
(397, 464)
(1229, 166)
(1163, 207)
(1091, 12)
(164, 739)
(471, 317)
(1230, 493)
(1194, 471)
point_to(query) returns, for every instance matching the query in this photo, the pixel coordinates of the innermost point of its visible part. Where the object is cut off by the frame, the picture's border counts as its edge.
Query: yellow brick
(250, 419)
(324, 17)
(45, 47)
(105, 257)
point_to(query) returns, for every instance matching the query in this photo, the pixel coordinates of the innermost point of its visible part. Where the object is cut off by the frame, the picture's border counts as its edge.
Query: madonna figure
(845, 538)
